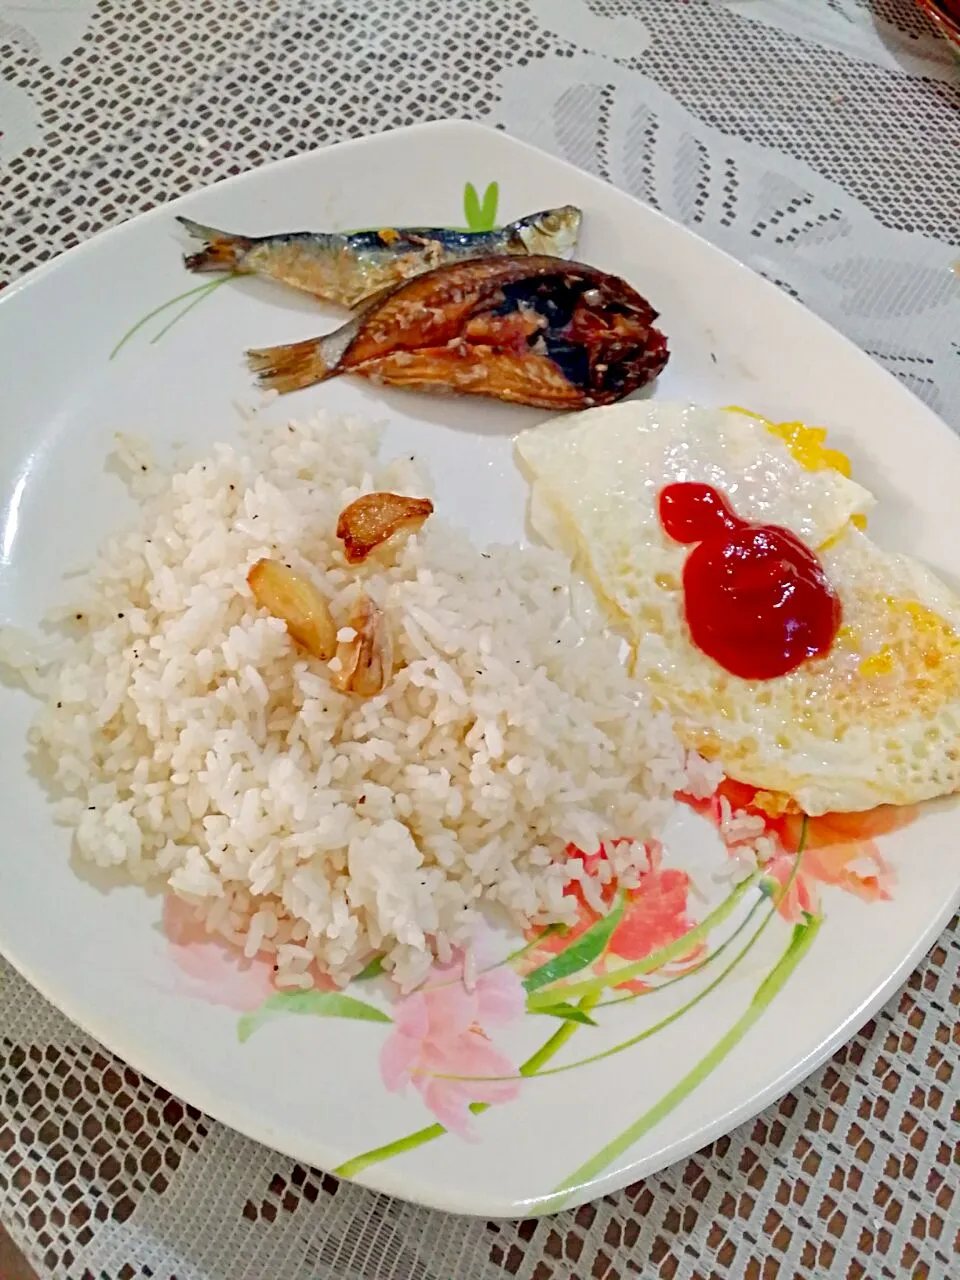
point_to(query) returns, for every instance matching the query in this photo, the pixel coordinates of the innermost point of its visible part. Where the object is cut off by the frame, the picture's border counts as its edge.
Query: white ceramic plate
(311, 1085)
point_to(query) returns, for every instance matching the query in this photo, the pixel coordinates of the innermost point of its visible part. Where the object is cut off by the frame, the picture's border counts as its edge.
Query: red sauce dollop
(757, 599)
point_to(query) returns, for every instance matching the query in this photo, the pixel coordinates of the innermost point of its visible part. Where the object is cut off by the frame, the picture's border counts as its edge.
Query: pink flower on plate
(439, 1033)
(209, 969)
(655, 914)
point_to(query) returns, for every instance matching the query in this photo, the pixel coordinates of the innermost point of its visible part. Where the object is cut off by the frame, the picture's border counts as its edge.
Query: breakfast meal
(297, 698)
(349, 267)
(531, 331)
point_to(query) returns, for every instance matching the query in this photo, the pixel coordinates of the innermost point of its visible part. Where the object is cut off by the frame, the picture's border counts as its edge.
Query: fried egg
(874, 721)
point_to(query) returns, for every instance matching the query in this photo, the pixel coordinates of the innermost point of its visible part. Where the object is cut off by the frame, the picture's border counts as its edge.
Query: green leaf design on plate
(491, 200)
(800, 943)
(656, 960)
(372, 970)
(536, 1064)
(197, 295)
(471, 207)
(707, 962)
(589, 947)
(420, 1137)
(648, 1032)
(590, 1002)
(481, 216)
(317, 1004)
(569, 1012)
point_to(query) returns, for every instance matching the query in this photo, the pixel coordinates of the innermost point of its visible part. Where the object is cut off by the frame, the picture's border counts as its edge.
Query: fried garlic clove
(374, 518)
(365, 661)
(294, 599)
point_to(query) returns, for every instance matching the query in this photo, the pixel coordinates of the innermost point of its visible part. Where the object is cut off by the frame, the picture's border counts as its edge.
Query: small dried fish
(365, 662)
(374, 518)
(531, 330)
(298, 603)
(349, 267)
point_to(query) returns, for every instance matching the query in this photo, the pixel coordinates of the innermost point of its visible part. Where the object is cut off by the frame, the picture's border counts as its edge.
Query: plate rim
(387, 1178)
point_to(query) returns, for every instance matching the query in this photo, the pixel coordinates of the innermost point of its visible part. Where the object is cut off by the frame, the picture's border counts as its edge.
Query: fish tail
(222, 251)
(288, 368)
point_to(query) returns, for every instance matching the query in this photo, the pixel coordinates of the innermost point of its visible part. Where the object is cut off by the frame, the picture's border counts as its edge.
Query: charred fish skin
(532, 330)
(348, 267)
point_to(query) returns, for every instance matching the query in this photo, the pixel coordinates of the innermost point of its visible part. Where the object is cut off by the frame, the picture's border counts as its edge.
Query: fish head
(553, 232)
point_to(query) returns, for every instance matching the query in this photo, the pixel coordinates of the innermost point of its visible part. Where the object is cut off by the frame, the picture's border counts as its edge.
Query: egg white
(877, 720)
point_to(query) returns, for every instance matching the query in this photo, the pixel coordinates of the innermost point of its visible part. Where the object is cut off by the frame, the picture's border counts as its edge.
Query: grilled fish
(532, 330)
(348, 267)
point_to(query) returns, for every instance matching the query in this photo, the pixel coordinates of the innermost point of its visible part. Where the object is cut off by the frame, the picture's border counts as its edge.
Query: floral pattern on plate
(442, 1037)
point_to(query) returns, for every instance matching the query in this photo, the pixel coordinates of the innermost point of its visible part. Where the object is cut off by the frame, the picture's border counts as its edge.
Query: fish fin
(223, 251)
(288, 368)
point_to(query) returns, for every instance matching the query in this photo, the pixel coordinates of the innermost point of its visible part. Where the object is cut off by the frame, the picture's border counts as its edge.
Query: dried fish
(297, 601)
(528, 330)
(364, 662)
(374, 518)
(350, 267)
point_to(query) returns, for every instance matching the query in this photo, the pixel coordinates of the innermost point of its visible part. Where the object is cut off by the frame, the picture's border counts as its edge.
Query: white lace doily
(814, 139)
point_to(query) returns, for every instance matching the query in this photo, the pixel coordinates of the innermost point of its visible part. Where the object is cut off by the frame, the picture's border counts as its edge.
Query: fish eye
(550, 223)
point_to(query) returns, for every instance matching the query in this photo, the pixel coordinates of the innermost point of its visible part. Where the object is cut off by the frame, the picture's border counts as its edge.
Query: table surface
(814, 139)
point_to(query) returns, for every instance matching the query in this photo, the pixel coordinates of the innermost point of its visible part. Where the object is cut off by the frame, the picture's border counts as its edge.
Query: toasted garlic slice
(294, 599)
(366, 661)
(372, 519)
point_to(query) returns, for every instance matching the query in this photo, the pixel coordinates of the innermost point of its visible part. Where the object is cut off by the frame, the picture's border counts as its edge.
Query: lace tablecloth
(819, 140)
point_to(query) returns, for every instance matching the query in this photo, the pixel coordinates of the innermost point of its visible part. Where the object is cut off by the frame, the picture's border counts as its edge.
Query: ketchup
(757, 599)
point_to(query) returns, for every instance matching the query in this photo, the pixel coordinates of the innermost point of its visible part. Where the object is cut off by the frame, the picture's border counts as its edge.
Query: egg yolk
(808, 446)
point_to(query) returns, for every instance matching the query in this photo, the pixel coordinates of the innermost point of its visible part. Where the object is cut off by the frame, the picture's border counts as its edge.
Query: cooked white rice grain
(195, 745)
